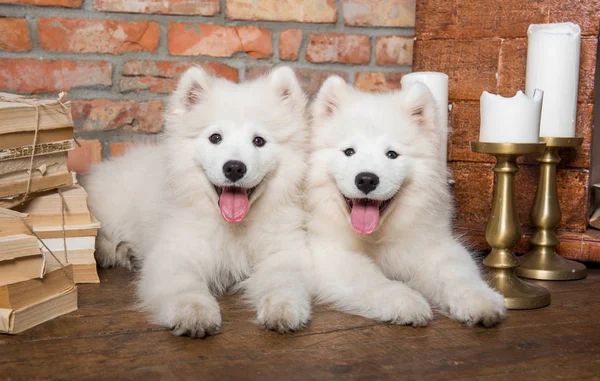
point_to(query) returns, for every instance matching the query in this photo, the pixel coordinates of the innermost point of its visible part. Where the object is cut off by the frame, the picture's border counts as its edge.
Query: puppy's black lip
(382, 204)
(248, 191)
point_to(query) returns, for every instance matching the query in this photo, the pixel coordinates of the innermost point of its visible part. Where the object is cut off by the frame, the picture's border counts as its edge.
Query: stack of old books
(47, 234)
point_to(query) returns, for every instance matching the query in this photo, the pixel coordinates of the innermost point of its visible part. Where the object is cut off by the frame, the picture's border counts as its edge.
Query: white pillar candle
(510, 120)
(438, 85)
(553, 66)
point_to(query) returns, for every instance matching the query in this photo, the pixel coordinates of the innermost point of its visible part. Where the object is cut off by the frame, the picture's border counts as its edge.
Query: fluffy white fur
(412, 259)
(159, 205)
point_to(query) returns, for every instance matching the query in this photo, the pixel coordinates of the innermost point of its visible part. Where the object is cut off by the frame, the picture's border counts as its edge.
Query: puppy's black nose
(234, 170)
(366, 181)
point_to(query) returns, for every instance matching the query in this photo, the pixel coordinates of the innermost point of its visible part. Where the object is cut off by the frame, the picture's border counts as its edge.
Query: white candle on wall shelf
(438, 85)
(510, 120)
(553, 52)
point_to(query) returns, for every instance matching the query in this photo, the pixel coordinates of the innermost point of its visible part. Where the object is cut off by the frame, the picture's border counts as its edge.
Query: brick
(33, 76)
(492, 18)
(394, 50)
(289, 44)
(168, 7)
(121, 148)
(473, 191)
(338, 47)
(463, 129)
(162, 76)
(320, 11)
(14, 35)
(507, 18)
(97, 36)
(46, 3)
(391, 13)
(489, 19)
(512, 66)
(82, 157)
(572, 186)
(586, 13)
(378, 81)
(106, 115)
(587, 69)
(310, 79)
(435, 19)
(470, 64)
(219, 41)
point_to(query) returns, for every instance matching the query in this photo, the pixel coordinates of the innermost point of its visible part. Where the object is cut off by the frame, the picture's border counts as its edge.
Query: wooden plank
(105, 338)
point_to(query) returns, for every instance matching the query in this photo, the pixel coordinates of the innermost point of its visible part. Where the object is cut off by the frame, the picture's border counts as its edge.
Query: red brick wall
(120, 58)
(482, 45)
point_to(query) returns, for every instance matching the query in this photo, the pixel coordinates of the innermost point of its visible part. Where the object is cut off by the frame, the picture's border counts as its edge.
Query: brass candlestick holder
(542, 261)
(502, 232)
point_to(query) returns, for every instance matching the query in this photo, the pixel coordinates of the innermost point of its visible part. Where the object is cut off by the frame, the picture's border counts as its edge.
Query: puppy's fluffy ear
(192, 87)
(286, 85)
(331, 95)
(418, 102)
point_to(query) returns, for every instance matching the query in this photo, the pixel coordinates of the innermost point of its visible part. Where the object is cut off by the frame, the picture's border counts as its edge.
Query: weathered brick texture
(290, 41)
(169, 7)
(40, 76)
(337, 47)
(379, 13)
(14, 35)
(97, 36)
(129, 116)
(378, 81)
(46, 3)
(394, 50)
(86, 153)
(161, 76)
(321, 11)
(219, 41)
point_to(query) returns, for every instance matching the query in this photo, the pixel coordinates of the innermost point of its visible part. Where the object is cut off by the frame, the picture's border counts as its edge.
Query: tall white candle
(438, 85)
(510, 120)
(553, 66)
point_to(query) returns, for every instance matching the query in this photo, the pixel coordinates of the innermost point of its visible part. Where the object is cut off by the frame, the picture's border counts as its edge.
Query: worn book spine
(38, 184)
(24, 138)
(40, 149)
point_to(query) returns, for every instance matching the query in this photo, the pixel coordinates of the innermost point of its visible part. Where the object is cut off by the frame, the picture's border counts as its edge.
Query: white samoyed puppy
(217, 204)
(380, 212)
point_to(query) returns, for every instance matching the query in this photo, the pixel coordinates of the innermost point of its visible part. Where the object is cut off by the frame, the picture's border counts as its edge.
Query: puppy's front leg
(278, 290)
(173, 287)
(450, 279)
(353, 283)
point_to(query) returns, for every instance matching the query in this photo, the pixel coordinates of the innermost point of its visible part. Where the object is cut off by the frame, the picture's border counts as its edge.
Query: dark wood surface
(107, 339)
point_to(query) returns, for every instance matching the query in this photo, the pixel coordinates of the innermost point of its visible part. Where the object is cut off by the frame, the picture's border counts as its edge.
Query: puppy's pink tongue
(233, 204)
(364, 217)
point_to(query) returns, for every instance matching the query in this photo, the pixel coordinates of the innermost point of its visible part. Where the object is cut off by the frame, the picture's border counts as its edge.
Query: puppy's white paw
(196, 317)
(126, 256)
(283, 312)
(478, 306)
(403, 306)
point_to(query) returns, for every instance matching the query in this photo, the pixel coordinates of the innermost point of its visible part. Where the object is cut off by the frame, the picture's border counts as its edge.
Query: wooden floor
(106, 339)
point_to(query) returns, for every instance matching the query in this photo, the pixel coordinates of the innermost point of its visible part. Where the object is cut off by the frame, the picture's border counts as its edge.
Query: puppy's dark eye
(349, 151)
(391, 154)
(258, 141)
(215, 138)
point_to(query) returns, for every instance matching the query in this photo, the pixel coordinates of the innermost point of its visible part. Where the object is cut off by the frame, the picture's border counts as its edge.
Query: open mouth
(366, 213)
(234, 202)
